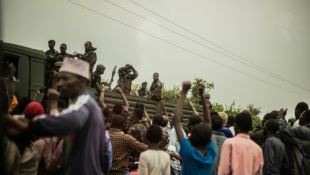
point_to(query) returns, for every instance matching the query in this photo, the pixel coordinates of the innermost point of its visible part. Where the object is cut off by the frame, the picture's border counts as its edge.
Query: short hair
(154, 134)
(156, 73)
(275, 112)
(273, 125)
(200, 135)
(117, 109)
(244, 122)
(195, 119)
(117, 121)
(269, 116)
(139, 105)
(138, 112)
(165, 121)
(108, 119)
(216, 122)
(307, 116)
(27, 100)
(214, 113)
(302, 106)
(158, 119)
(51, 41)
(64, 44)
(231, 120)
(21, 105)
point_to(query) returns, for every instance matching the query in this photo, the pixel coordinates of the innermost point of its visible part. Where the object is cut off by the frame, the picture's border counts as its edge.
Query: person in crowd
(174, 152)
(156, 88)
(38, 92)
(136, 128)
(218, 139)
(18, 111)
(32, 110)
(10, 89)
(158, 120)
(96, 78)
(86, 151)
(198, 153)
(125, 78)
(299, 109)
(122, 145)
(108, 122)
(257, 135)
(27, 100)
(145, 119)
(297, 141)
(275, 158)
(241, 150)
(192, 122)
(90, 55)
(164, 124)
(154, 161)
(9, 152)
(59, 57)
(142, 92)
(224, 129)
(230, 124)
(117, 109)
(214, 113)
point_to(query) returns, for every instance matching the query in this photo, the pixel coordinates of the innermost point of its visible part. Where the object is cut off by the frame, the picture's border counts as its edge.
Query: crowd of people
(70, 134)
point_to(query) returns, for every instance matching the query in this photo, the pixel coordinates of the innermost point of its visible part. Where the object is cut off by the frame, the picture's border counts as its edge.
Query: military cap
(51, 41)
(206, 96)
(58, 64)
(144, 82)
(100, 66)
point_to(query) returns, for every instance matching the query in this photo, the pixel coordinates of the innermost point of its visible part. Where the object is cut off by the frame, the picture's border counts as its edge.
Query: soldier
(125, 78)
(89, 55)
(60, 56)
(96, 78)
(51, 52)
(156, 88)
(142, 92)
(207, 97)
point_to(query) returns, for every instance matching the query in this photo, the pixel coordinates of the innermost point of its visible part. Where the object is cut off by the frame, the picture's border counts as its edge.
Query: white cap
(77, 67)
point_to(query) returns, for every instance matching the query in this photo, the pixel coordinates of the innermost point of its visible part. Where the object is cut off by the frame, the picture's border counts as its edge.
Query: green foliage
(171, 94)
(233, 110)
(193, 95)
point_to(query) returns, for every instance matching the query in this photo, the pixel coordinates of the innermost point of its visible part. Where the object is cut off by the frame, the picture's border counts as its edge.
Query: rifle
(113, 73)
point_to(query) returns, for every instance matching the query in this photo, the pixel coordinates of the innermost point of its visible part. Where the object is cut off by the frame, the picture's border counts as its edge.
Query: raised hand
(42, 88)
(52, 94)
(118, 90)
(186, 86)
(201, 88)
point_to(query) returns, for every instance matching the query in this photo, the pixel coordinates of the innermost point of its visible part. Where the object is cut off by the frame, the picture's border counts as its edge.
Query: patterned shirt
(90, 57)
(137, 130)
(155, 90)
(122, 145)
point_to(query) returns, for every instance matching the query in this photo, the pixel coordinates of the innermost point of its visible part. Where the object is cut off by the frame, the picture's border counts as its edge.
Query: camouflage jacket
(155, 90)
(48, 52)
(143, 93)
(137, 130)
(60, 56)
(126, 80)
(90, 57)
(50, 61)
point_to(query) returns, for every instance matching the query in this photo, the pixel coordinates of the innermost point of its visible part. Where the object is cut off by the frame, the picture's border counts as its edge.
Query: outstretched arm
(163, 106)
(39, 91)
(119, 90)
(178, 111)
(135, 74)
(191, 105)
(101, 98)
(147, 116)
(206, 113)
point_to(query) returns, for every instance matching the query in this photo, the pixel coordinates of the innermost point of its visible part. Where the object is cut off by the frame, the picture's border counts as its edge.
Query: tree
(193, 95)
(171, 94)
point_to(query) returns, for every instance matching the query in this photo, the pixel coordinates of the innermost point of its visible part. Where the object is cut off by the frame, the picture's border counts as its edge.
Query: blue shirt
(226, 132)
(193, 161)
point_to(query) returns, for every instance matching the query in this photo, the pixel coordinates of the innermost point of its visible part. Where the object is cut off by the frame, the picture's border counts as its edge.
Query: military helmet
(100, 66)
(206, 96)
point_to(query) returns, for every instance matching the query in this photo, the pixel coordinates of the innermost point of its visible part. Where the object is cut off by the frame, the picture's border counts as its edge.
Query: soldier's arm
(163, 106)
(206, 113)
(93, 58)
(135, 74)
(101, 98)
(191, 105)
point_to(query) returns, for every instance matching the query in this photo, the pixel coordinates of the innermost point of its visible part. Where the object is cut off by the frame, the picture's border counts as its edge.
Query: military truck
(31, 74)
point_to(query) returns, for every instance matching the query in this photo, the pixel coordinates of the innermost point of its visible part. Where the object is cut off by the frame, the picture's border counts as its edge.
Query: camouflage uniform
(90, 57)
(50, 61)
(61, 56)
(155, 90)
(142, 92)
(126, 79)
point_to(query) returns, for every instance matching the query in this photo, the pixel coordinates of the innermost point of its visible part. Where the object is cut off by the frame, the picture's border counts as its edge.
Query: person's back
(154, 161)
(240, 155)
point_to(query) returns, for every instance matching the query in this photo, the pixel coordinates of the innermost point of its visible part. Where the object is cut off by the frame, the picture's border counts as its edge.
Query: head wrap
(139, 105)
(51, 41)
(224, 117)
(100, 66)
(77, 67)
(165, 120)
(33, 109)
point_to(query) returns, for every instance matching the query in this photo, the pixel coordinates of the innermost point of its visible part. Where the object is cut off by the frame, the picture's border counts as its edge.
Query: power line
(261, 69)
(184, 48)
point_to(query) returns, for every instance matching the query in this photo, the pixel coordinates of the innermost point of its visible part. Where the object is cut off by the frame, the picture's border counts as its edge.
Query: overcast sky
(274, 35)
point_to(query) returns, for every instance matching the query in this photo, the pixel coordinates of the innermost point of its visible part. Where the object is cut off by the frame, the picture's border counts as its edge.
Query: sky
(273, 35)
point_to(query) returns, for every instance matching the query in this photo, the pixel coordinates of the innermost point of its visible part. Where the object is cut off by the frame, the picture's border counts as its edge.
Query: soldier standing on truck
(156, 88)
(125, 78)
(49, 54)
(96, 78)
(90, 55)
(60, 56)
